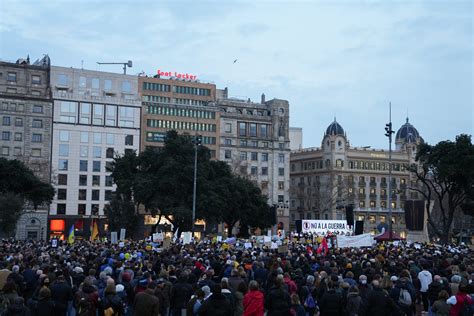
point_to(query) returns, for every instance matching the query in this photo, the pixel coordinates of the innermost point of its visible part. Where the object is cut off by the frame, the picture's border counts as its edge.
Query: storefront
(59, 227)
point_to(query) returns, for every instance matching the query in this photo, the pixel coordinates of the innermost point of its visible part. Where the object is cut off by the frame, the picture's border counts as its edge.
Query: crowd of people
(210, 278)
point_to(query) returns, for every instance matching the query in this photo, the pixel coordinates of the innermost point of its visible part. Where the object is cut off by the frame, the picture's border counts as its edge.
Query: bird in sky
(235, 61)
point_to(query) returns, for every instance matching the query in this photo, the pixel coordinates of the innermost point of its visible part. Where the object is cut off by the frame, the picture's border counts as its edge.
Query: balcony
(383, 184)
(362, 183)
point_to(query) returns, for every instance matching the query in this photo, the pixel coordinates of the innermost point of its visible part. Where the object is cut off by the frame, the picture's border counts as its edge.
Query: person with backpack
(253, 302)
(278, 301)
(86, 299)
(309, 296)
(402, 296)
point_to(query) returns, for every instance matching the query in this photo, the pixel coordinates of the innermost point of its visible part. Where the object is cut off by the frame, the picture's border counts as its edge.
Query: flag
(95, 230)
(175, 235)
(309, 250)
(323, 247)
(70, 238)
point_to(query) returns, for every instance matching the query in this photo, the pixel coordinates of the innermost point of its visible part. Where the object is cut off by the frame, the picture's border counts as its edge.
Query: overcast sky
(327, 58)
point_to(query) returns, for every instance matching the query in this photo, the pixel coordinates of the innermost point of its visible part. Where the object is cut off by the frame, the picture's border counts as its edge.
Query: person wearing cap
(146, 303)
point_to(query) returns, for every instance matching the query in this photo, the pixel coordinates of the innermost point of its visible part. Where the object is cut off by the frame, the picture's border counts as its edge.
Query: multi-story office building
(182, 105)
(296, 138)
(255, 142)
(26, 122)
(324, 180)
(96, 116)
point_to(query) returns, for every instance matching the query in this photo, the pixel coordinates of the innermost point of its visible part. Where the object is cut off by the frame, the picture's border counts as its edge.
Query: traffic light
(198, 140)
(388, 129)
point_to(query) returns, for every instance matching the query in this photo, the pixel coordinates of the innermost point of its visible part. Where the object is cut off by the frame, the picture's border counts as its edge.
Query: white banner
(113, 237)
(322, 227)
(122, 233)
(364, 240)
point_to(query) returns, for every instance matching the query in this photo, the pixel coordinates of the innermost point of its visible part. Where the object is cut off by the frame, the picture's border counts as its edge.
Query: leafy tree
(446, 174)
(19, 185)
(122, 214)
(161, 182)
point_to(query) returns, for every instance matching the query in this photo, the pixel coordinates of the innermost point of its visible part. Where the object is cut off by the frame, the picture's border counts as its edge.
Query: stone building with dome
(326, 179)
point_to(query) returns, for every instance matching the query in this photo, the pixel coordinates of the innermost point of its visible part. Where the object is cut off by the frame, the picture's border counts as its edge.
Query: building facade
(255, 142)
(296, 138)
(26, 125)
(96, 116)
(327, 179)
(186, 106)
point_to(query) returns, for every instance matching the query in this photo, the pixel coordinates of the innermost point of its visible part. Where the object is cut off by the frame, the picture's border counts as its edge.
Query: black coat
(180, 295)
(277, 302)
(216, 305)
(61, 294)
(380, 303)
(45, 307)
(331, 304)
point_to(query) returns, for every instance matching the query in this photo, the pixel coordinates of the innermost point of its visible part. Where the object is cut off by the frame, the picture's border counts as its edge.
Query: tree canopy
(446, 174)
(160, 181)
(19, 185)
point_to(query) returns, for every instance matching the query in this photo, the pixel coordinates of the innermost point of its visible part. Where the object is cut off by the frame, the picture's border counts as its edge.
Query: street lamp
(197, 142)
(389, 131)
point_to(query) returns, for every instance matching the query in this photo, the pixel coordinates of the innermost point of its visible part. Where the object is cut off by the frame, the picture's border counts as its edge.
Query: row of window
(155, 99)
(350, 180)
(192, 90)
(108, 180)
(158, 137)
(94, 83)
(263, 172)
(245, 143)
(63, 165)
(81, 208)
(181, 125)
(253, 129)
(371, 165)
(14, 107)
(156, 86)
(17, 151)
(12, 77)
(97, 114)
(162, 110)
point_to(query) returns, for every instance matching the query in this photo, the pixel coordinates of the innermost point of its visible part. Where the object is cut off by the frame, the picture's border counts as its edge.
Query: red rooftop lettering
(176, 74)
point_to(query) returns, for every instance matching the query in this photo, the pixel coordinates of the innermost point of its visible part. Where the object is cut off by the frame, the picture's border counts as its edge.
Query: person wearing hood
(216, 305)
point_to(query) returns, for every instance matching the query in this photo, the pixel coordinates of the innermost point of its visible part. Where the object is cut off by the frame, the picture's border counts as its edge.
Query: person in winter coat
(331, 303)
(396, 293)
(146, 303)
(440, 307)
(278, 301)
(86, 299)
(61, 294)
(17, 308)
(216, 305)
(291, 285)
(45, 306)
(459, 300)
(354, 302)
(239, 298)
(434, 288)
(379, 302)
(253, 302)
(296, 308)
(180, 295)
(112, 303)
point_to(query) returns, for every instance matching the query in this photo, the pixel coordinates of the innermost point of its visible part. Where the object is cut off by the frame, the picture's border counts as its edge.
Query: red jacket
(460, 298)
(253, 303)
(292, 288)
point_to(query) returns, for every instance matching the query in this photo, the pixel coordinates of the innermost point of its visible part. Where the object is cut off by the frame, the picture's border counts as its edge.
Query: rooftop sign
(175, 74)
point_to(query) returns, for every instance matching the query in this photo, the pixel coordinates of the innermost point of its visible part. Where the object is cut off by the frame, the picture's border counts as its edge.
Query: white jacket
(425, 278)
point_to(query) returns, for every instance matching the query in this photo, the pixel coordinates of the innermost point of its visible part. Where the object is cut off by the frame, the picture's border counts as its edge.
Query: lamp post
(389, 131)
(197, 142)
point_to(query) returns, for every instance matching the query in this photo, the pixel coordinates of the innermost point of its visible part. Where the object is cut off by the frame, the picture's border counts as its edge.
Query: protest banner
(364, 240)
(322, 227)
